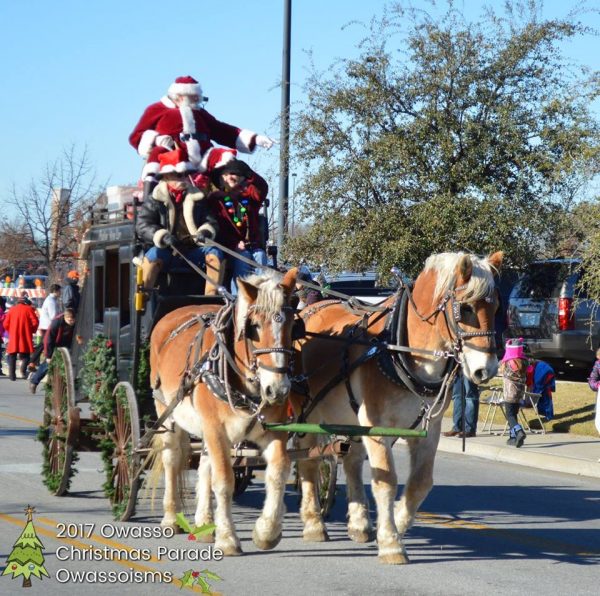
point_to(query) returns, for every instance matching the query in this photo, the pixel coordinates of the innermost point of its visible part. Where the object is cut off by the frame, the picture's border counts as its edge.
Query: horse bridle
(250, 336)
(457, 334)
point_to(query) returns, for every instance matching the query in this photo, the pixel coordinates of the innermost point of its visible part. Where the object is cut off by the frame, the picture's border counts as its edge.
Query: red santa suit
(21, 322)
(191, 129)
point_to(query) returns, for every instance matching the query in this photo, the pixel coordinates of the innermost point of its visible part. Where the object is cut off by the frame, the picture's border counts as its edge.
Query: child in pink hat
(513, 368)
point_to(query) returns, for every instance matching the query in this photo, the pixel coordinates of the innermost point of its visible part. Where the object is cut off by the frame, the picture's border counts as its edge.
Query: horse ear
(495, 260)
(248, 291)
(288, 283)
(465, 268)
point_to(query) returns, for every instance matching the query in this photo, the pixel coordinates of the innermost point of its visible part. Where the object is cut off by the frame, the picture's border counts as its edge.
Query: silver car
(559, 324)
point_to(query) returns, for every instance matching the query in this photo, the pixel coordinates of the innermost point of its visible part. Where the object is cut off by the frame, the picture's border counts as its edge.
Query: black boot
(520, 438)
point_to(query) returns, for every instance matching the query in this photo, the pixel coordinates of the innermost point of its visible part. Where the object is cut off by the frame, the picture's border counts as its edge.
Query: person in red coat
(178, 120)
(21, 323)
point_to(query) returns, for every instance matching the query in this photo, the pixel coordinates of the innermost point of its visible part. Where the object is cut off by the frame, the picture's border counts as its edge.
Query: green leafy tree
(26, 558)
(445, 134)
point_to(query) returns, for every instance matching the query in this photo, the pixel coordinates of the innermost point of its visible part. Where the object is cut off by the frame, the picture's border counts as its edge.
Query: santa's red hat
(185, 86)
(174, 161)
(216, 158)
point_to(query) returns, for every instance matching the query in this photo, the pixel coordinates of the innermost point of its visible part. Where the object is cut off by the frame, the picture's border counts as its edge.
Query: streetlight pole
(293, 204)
(284, 156)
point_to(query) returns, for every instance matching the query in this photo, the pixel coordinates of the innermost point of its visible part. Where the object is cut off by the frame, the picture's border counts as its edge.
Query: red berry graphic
(13, 567)
(195, 573)
(191, 537)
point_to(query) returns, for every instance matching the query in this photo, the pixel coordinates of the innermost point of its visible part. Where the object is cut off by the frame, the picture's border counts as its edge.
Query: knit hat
(514, 350)
(185, 86)
(237, 167)
(73, 274)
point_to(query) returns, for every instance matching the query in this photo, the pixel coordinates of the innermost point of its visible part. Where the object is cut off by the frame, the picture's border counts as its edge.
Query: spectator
(48, 312)
(2, 317)
(70, 293)
(594, 378)
(513, 369)
(58, 335)
(471, 411)
(21, 322)
(306, 296)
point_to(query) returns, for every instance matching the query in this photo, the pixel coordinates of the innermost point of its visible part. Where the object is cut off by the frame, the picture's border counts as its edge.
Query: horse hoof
(265, 544)
(231, 550)
(316, 536)
(172, 525)
(206, 538)
(361, 536)
(393, 559)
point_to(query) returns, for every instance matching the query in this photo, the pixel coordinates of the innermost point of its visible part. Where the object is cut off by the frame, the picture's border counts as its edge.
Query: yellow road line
(21, 419)
(129, 564)
(540, 543)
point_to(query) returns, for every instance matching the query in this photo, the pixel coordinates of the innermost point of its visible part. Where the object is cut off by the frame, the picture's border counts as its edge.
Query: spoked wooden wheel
(60, 430)
(123, 480)
(326, 483)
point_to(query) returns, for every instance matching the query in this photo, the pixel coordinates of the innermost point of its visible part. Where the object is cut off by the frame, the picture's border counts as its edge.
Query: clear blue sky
(82, 72)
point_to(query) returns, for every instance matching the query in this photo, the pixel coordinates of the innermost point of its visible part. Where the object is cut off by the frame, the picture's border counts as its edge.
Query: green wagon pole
(345, 429)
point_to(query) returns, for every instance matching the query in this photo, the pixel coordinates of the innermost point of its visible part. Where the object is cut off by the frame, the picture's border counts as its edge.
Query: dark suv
(558, 322)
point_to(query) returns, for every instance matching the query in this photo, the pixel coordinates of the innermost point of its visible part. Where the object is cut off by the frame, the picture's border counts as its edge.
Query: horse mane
(269, 300)
(480, 284)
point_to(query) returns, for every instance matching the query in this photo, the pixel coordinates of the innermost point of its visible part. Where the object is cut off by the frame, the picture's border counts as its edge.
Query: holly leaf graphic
(211, 575)
(202, 530)
(187, 580)
(183, 523)
(204, 585)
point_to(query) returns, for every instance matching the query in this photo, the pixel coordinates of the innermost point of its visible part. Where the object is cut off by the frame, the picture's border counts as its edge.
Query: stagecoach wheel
(60, 429)
(326, 483)
(123, 480)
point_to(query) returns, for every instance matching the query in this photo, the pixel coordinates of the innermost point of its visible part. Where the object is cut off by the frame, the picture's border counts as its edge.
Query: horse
(225, 366)
(351, 375)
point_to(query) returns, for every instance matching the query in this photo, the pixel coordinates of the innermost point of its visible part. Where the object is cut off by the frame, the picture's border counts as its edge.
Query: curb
(524, 457)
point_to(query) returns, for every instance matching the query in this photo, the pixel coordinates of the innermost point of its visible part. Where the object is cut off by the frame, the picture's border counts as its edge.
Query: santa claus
(177, 120)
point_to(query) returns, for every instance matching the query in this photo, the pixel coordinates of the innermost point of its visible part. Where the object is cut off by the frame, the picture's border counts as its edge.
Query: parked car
(364, 286)
(558, 322)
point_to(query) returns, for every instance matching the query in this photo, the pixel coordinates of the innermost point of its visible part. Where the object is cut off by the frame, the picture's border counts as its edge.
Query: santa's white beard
(186, 102)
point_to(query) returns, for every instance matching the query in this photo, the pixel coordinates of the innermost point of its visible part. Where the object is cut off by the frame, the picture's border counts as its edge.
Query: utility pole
(284, 157)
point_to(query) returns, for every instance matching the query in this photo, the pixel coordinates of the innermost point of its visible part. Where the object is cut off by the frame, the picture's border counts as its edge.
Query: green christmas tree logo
(26, 558)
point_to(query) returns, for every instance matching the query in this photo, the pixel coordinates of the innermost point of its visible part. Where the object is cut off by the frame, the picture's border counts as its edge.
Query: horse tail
(156, 467)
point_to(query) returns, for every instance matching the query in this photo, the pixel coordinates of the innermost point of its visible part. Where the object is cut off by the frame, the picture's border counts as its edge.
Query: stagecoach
(401, 355)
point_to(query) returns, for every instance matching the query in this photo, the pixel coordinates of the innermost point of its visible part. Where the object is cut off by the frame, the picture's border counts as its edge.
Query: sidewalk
(556, 452)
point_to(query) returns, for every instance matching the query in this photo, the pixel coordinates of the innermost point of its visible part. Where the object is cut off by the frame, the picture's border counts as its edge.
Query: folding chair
(530, 401)
(493, 402)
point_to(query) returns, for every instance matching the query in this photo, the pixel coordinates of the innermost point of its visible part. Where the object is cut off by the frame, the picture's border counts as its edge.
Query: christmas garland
(98, 380)
(52, 479)
(99, 377)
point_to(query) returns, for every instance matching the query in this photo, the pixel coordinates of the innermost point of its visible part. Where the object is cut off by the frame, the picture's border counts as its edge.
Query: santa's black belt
(197, 136)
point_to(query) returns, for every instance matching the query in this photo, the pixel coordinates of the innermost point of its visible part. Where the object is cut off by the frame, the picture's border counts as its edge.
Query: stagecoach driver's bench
(174, 216)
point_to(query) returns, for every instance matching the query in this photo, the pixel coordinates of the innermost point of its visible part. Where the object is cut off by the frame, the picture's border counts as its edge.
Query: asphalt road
(486, 528)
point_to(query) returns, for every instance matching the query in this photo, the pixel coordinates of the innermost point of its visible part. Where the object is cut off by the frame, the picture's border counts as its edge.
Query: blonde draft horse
(258, 337)
(451, 315)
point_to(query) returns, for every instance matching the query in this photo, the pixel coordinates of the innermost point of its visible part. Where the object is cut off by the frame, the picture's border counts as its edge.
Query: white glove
(264, 141)
(165, 141)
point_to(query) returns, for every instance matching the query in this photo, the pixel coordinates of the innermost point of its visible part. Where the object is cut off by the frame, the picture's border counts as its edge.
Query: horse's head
(463, 288)
(263, 322)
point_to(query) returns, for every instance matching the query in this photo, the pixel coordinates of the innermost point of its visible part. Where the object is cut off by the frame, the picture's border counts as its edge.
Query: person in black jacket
(58, 335)
(70, 292)
(174, 216)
